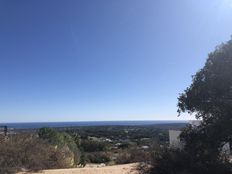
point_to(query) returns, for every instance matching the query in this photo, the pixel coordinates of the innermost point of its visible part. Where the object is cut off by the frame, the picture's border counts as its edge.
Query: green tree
(51, 136)
(61, 140)
(209, 98)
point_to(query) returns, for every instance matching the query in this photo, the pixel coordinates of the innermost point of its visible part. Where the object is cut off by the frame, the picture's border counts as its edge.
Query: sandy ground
(117, 169)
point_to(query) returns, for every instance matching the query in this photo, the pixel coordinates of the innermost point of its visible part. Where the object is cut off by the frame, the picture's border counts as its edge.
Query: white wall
(174, 139)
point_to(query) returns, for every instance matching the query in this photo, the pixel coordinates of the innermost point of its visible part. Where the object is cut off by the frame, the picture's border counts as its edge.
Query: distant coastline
(35, 125)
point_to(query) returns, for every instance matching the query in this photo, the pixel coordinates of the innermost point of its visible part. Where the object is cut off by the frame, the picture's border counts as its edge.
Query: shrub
(71, 144)
(92, 146)
(176, 161)
(138, 155)
(124, 146)
(83, 160)
(61, 140)
(32, 153)
(98, 157)
(133, 155)
(123, 158)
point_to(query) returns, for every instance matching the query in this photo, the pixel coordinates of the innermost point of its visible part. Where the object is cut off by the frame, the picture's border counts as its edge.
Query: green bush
(98, 157)
(52, 136)
(92, 146)
(61, 140)
(175, 161)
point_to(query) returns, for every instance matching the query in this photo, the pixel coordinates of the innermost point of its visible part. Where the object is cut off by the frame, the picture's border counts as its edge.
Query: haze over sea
(31, 125)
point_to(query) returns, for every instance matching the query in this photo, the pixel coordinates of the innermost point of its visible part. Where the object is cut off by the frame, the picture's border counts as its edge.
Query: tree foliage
(209, 98)
(92, 146)
(61, 140)
(177, 161)
(210, 94)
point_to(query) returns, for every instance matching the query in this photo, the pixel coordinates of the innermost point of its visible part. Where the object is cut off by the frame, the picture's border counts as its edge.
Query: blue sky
(103, 60)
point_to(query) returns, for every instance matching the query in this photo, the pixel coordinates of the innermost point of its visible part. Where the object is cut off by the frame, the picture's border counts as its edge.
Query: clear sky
(81, 60)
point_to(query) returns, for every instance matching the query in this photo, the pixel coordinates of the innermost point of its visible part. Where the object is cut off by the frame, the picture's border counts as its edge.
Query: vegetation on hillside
(48, 148)
(32, 153)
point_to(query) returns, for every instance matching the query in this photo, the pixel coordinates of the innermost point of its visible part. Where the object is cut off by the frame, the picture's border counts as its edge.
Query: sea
(36, 125)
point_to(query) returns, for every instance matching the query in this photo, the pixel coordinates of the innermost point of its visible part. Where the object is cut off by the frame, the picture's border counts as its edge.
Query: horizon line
(92, 121)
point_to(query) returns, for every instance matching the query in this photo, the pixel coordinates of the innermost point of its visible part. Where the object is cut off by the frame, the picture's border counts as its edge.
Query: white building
(174, 139)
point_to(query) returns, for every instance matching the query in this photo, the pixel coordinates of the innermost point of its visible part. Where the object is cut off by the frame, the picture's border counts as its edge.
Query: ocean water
(87, 123)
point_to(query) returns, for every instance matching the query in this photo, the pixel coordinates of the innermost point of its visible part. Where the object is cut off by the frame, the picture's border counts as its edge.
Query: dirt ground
(94, 169)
